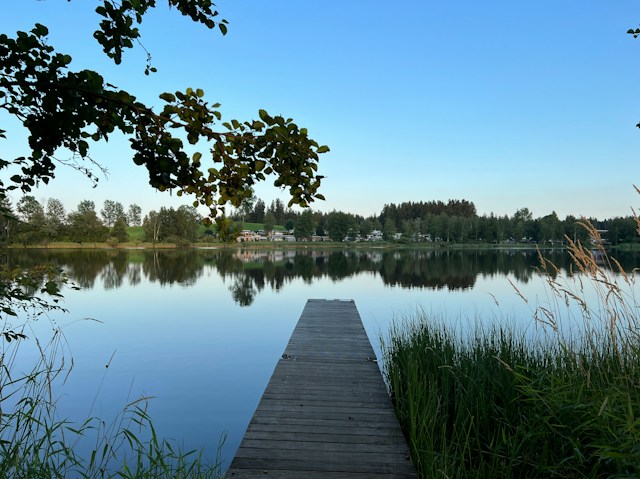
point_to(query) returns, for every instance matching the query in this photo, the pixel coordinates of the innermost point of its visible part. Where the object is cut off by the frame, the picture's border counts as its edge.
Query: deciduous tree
(111, 212)
(119, 230)
(246, 206)
(366, 227)
(7, 220)
(32, 229)
(56, 212)
(289, 224)
(151, 226)
(389, 228)
(134, 215)
(186, 225)
(85, 226)
(173, 225)
(228, 230)
(63, 108)
(339, 225)
(55, 218)
(551, 228)
(304, 226)
(85, 206)
(29, 209)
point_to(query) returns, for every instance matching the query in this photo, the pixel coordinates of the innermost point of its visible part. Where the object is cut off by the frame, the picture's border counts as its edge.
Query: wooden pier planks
(325, 412)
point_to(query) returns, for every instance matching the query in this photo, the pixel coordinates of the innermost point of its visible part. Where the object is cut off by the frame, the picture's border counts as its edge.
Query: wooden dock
(325, 412)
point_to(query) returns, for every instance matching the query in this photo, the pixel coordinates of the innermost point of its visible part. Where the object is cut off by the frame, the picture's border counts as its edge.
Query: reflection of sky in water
(206, 360)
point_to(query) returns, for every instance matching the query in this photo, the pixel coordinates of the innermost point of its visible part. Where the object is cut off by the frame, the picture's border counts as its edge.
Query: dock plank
(325, 412)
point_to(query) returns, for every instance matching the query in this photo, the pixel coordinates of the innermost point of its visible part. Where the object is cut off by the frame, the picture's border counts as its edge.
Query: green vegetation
(431, 224)
(494, 402)
(42, 91)
(173, 226)
(260, 227)
(136, 233)
(60, 108)
(35, 442)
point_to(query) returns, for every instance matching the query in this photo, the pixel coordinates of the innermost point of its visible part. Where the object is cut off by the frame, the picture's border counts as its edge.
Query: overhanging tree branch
(65, 109)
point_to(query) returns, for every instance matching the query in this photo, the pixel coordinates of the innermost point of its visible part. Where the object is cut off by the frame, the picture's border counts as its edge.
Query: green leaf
(40, 30)
(83, 148)
(323, 149)
(168, 97)
(223, 28)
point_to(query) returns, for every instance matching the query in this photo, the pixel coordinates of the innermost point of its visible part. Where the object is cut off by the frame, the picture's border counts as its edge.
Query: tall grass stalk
(36, 443)
(497, 403)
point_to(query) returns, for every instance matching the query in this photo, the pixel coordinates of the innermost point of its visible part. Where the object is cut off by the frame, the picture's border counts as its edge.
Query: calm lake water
(201, 330)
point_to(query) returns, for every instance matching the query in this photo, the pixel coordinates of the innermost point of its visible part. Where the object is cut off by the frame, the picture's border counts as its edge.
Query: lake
(201, 331)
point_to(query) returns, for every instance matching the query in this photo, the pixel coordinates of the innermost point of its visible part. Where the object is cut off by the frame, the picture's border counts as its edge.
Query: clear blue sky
(503, 103)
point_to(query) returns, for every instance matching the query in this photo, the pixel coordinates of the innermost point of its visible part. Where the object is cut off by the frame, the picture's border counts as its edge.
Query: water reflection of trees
(248, 272)
(183, 267)
(243, 290)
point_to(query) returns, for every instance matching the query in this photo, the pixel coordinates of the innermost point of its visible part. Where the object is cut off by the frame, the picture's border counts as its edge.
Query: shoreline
(293, 245)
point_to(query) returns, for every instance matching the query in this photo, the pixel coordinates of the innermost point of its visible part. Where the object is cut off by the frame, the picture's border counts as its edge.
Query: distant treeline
(31, 222)
(411, 211)
(455, 221)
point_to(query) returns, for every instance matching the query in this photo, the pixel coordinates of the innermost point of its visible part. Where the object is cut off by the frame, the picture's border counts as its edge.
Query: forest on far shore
(456, 221)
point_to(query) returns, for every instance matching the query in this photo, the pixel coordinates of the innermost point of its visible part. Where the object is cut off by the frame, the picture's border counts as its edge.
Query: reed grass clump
(495, 402)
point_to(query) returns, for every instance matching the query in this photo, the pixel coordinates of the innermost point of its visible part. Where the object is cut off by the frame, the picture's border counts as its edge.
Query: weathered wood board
(325, 412)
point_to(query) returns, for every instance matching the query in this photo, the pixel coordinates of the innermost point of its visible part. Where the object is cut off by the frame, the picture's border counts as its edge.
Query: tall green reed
(498, 403)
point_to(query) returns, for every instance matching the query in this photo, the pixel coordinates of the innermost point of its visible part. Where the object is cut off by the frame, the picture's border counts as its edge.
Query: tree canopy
(64, 111)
